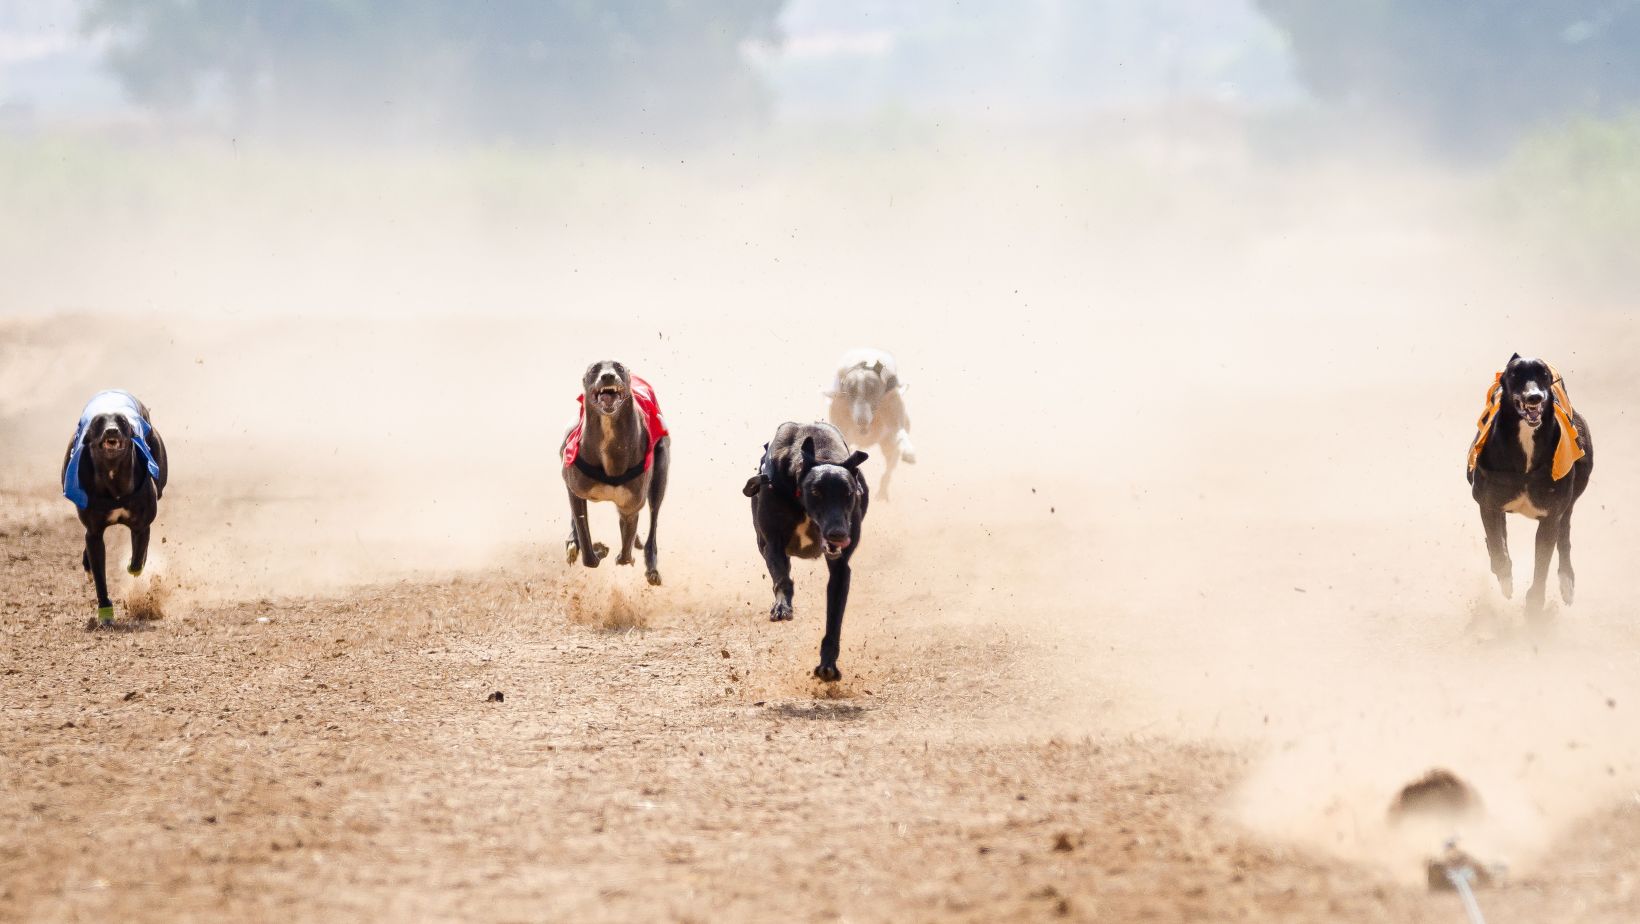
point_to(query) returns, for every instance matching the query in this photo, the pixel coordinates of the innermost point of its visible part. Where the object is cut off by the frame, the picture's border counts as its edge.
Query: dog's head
(830, 495)
(608, 386)
(1528, 385)
(108, 439)
(866, 386)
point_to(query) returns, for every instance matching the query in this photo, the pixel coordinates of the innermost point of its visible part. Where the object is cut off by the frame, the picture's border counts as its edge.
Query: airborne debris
(496, 697)
(1440, 793)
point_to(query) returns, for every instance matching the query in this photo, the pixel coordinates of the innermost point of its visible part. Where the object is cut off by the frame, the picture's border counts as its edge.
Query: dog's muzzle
(832, 548)
(1531, 412)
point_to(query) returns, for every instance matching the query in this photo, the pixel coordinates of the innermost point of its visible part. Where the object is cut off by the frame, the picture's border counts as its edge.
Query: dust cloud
(1193, 423)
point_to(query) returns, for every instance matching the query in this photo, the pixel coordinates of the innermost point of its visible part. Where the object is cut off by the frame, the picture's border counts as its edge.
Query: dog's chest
(618, 494)
(805, 540)
(1523, 505)
(119, 515)
(1528, 443)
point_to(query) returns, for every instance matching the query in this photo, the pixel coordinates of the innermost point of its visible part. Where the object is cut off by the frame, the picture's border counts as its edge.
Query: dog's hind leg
(1563, 545)
(657, 493)
(139, 550)
(1548, 533)
(1497, 546)
(629, 535)
(836, 600)
(580, 538)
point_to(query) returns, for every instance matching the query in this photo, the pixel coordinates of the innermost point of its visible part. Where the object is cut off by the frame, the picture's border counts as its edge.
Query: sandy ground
(1185, 586)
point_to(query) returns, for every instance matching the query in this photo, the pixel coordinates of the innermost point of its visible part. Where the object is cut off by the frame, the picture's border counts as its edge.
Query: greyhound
(115, 472)
(619, 450)
(868, 406)
(1533, 456)
(809, 499)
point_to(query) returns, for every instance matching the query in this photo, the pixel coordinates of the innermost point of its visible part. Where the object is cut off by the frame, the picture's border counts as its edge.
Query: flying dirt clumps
(1438, 794)
(146, 599)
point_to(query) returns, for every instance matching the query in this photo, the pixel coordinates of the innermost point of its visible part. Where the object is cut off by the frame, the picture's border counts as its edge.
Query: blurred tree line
(1473, 75)
(526, 70)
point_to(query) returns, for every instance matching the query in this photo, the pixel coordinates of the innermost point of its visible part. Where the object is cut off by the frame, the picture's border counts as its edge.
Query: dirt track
(663, 755)
(341, 761)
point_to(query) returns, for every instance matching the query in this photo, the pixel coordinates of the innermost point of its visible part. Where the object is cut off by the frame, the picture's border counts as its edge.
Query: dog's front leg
(836, 600)
(1497, 546)
(891, 458)
(97, 555)
(581, 535)
(780, 571)
(1548, 535)
(139, 550)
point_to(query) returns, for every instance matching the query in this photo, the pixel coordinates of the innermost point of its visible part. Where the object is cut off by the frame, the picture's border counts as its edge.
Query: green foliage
(1573, 195)
(500, 69)
(1472, 74)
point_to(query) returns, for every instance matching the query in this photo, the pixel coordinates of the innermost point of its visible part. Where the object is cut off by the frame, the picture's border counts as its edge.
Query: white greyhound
(868, 405)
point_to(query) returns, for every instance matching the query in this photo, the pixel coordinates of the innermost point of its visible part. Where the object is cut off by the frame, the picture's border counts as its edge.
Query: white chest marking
(118, 516)
(1523, 506)
(1528, 443)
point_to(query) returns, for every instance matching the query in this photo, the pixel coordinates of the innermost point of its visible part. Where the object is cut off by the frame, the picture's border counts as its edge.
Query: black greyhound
(1525, 461)
(618, 451)
(115, 472)
(809, 499)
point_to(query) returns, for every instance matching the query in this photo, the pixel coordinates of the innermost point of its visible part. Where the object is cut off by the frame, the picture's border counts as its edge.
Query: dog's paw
(134, 570)
(828, 672)
(654, 578)
(105, 616)
(1506, 583)
(624, 560)
(1534, 601)
(600, 551)
(571, 552)
(780, 612)
(1568, 584)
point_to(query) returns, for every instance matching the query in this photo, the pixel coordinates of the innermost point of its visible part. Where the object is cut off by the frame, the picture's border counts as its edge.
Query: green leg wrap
(105, 614)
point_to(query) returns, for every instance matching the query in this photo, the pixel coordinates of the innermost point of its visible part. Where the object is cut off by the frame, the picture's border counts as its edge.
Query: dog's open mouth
(833, 549)
(607, 398)
(1532, 414)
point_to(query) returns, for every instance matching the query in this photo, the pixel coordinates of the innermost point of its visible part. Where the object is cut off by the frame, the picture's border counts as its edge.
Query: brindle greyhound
(809, 499)
(1514, 470)
(618, 452)
(115, 472)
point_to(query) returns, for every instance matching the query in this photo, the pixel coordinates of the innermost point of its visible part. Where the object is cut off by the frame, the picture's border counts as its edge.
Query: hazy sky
(849, 57)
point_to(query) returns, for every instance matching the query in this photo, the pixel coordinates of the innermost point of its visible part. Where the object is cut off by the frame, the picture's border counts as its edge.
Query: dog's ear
(807, 449)
(1512, 359)
(753, 485)
(855, 459)
(877, 367)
